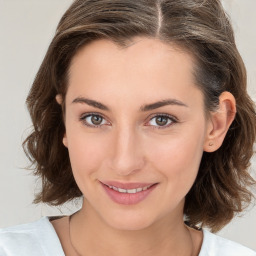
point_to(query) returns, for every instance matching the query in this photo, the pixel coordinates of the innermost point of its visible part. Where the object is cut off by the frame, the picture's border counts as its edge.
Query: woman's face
(134, 119)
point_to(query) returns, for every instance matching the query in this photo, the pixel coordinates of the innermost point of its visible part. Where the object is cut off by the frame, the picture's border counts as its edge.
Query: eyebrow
(162, 103)
(89, 102)
(143, 108)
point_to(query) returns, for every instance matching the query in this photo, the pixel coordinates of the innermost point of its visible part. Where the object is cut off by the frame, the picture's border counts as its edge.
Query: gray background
(26, 28)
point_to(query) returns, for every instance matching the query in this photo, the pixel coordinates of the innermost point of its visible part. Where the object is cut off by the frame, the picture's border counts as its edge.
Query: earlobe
(65, 140)
(219, 122)
(59, 99)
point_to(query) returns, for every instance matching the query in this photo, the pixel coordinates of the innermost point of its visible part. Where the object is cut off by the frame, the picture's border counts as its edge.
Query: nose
(127, 152)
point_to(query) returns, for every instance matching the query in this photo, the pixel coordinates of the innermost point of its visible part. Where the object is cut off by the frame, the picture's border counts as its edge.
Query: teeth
(129, 191)
(116, 189)
(121, 190)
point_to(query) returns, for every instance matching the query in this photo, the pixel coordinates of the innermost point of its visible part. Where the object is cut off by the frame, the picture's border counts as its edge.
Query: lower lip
(126, 198)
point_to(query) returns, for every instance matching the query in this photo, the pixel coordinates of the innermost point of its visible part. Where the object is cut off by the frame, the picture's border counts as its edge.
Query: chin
(130, 222)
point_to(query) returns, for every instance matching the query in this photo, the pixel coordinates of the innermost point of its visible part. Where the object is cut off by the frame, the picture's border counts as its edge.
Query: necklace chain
(70, 239)
(78, 254)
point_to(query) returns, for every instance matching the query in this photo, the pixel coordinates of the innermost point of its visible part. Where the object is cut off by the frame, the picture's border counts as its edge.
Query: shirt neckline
(50, 218)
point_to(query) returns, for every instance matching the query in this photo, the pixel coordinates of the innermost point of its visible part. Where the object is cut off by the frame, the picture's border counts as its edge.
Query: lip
(127, 198)
(131, 185)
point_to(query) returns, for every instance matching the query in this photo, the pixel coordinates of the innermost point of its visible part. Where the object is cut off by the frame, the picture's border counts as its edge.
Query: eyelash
(171, 118)
(84, 116)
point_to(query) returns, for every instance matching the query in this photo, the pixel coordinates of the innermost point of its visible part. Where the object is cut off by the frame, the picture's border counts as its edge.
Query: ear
(59, 99)
(219, 122)
(65, 140)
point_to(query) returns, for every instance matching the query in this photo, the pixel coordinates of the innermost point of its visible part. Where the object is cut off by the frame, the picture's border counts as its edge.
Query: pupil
(161, 120)
(96, 120)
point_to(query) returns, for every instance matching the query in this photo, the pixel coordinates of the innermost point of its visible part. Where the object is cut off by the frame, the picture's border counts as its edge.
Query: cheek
(87, 152)
(178, 156)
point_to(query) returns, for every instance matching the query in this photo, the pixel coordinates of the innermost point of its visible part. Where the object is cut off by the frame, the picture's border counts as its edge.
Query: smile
(129, 191)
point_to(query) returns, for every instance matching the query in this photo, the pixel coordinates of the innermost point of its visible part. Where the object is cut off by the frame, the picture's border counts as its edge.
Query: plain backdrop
(26, 28)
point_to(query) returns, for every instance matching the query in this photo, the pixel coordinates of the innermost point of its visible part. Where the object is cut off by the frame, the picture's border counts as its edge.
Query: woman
(141, 108)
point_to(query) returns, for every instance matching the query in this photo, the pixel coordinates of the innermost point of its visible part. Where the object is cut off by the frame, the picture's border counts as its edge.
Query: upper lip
(132, 185)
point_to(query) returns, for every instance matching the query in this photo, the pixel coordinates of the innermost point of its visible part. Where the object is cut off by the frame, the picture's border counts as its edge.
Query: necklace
(70, 239)
(78, 254)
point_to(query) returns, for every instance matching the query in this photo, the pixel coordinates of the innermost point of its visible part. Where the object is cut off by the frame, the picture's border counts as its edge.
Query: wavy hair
(200, 27)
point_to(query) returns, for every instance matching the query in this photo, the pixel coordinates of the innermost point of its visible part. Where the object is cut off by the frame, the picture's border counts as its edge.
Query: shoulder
(214, 245)
(35, 238)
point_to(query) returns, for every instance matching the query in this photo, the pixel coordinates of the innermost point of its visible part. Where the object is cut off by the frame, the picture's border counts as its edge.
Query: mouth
(128, 193)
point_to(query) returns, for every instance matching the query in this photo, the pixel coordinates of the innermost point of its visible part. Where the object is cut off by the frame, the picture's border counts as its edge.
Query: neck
(91, 236)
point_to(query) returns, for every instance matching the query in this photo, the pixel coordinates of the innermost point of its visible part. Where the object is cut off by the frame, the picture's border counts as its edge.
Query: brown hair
(200, 27)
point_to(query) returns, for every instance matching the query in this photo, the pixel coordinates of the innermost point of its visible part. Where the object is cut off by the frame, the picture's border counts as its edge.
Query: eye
(93, 120)
(162, 121)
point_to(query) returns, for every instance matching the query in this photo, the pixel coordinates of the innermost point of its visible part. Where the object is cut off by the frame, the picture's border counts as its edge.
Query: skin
(129, 145)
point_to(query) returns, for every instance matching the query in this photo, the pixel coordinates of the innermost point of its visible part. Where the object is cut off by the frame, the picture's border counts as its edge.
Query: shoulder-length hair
(199, 27)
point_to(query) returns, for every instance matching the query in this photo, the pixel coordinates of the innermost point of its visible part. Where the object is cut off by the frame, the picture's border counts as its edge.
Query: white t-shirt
(40, 239)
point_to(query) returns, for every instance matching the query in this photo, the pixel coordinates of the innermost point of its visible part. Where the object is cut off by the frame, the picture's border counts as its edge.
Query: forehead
(139, 49)
(149, 65)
